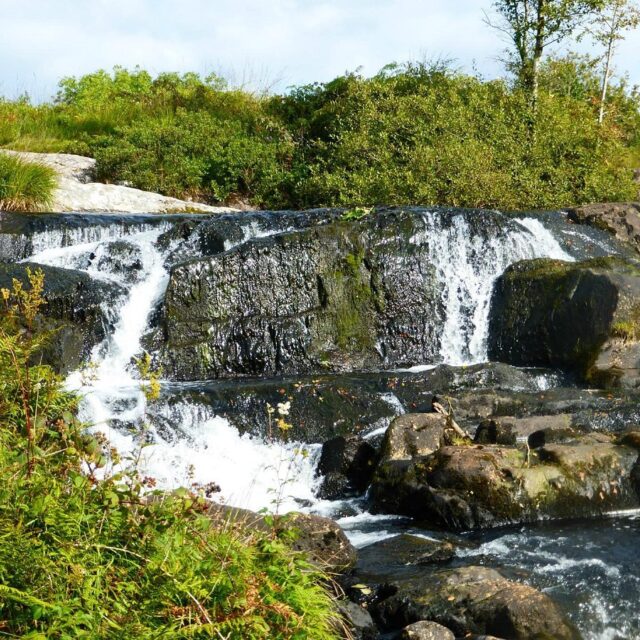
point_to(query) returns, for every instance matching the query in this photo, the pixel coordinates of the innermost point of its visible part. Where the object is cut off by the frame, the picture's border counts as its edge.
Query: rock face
(343, 296)
(622, 219)
(473, 600)
(467, 487)
(73, 308)
(77, 192)
(584, 316)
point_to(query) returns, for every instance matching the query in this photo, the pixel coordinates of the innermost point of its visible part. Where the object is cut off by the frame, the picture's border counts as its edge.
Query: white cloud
(295, 41)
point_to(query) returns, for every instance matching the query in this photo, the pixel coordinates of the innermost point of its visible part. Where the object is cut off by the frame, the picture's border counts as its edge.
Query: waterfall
(468, 261)
(201, 447)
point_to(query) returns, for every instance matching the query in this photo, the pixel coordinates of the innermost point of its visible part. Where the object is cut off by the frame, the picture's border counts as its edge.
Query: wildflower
(284, 408)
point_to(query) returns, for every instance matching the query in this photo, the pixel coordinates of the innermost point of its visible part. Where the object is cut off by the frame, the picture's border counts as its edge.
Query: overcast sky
(263, 42)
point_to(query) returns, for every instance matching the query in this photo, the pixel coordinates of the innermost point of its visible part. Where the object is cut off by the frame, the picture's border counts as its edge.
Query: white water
(204, 448)
(467, 265)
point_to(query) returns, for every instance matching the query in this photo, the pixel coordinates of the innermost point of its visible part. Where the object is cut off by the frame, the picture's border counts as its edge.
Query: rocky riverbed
(460, 387)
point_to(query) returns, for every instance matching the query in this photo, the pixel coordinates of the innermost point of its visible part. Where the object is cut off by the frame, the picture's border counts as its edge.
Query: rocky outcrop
(74, 311)
(622, 219)
(467, 487)
(77, 192)
(341, 296)
(584, 316)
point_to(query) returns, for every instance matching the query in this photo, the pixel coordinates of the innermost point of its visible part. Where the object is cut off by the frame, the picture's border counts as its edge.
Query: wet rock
(495, 431)
(585, 316)
(321, 539)
(404, 550)
(484, 486)
(425, 630)
(474, 600)
(122, 258)
(622, 219)
(223, 232)
(347, 464)
(413, 434)
(536, 430)
(358, 619)
(335, 297)
(74, 309)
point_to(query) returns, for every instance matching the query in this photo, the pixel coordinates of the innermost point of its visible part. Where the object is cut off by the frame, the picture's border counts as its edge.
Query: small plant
(25, 186)
(357, 213)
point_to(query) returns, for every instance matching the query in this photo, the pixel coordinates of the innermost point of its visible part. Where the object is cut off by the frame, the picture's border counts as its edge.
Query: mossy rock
(582, 316)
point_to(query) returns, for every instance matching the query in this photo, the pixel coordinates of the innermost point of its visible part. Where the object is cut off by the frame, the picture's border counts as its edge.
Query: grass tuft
(25, 186)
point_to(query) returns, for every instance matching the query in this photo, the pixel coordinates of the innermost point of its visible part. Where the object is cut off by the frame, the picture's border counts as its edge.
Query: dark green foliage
(87, 551)
(415, 133)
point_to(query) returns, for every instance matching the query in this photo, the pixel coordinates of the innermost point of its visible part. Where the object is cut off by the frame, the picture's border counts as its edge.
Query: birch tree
(608, 29)
(531, 26)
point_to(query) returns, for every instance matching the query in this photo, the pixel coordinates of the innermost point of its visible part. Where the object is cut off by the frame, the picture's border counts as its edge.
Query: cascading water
(205, 448)
(187, 442)
(467, 264)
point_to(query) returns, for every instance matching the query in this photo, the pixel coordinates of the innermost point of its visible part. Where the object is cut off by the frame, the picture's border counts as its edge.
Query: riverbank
(76, 189)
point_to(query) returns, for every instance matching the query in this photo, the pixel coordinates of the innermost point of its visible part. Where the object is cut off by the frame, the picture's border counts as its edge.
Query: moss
(627, 326)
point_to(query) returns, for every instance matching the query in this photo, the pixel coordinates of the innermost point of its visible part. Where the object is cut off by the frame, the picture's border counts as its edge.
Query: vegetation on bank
(415, 133)
(25, 186)
(85, 553)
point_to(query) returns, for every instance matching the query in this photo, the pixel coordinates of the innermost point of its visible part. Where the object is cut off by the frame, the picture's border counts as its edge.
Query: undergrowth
(25, 186)
(86, 556)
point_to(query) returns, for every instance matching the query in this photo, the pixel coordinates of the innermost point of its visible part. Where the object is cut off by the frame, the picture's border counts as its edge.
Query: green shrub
(195, 155)
(86, 556)
(25, 186)
(416, 133)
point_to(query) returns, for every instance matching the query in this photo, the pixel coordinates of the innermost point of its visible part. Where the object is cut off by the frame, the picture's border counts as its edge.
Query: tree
(533, 25)
(608, 29)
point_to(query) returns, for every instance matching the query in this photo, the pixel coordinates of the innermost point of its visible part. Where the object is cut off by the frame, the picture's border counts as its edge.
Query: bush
(196, 155)
(82, 557)
(25, 186)
(415, 133)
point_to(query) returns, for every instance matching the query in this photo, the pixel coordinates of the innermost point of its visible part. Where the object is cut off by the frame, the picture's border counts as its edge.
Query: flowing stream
(253, 473)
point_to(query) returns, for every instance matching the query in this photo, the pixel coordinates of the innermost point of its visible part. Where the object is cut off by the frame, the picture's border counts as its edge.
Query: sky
(261, 44)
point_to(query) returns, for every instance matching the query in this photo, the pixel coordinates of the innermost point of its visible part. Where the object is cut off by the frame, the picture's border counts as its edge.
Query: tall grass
(25, 186)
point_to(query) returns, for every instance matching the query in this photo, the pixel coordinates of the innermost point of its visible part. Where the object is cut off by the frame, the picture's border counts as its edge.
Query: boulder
(425, 630)
(413, 434)
(584, 316)
(469, 487)
(341, 296)
(347, 464)
(536, 430)
(474, 600)
(358, 620)
(405, 550)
